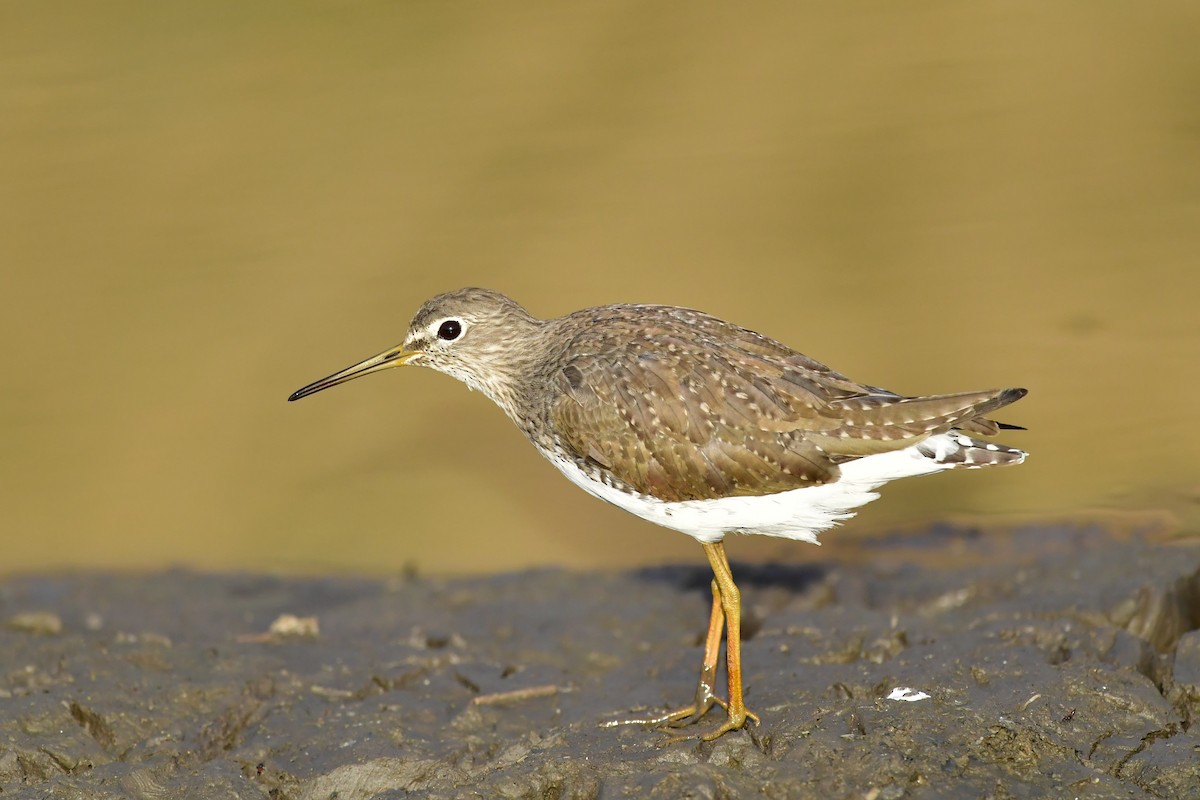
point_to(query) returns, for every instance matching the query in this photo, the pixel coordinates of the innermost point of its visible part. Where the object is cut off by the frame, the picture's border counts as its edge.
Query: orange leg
(726, 610)
(705, 698)
(731, 607)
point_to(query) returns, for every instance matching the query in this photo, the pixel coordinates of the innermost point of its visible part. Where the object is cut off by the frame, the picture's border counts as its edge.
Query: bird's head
(475, 335)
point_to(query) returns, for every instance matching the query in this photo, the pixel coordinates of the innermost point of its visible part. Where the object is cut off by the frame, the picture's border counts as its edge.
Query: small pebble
(41, 622)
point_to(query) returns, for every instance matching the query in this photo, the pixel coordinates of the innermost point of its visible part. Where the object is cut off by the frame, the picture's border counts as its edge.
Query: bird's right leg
(705, 698)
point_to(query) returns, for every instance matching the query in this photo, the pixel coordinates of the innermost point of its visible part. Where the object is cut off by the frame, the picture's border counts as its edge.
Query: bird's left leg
(705, 698)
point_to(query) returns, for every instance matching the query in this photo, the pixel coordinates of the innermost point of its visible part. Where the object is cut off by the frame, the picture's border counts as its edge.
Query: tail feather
(882, 423)
(958, 450)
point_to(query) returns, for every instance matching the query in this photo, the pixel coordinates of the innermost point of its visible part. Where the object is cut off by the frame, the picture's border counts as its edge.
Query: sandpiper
(695, 424)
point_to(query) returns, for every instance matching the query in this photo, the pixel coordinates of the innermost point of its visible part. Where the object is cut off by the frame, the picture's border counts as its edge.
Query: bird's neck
(510, 376)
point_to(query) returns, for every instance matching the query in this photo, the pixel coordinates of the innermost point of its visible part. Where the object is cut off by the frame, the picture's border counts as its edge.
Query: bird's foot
(680, 717)
(672, 721)
(736, 720)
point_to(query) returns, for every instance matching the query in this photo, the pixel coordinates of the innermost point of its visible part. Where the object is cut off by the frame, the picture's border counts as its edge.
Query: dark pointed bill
(396, 357)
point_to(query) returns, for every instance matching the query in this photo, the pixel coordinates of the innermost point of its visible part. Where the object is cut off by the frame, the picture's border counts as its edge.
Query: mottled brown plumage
(680, 405)
(696, 424)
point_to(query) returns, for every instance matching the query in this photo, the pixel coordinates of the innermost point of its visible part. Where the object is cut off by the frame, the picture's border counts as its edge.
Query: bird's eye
(450, 330)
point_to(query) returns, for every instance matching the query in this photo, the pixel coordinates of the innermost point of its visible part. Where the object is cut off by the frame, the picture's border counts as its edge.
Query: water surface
(206, 207)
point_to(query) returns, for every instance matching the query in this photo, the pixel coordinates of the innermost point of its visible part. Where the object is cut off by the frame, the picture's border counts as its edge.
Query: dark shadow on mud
(794, 577)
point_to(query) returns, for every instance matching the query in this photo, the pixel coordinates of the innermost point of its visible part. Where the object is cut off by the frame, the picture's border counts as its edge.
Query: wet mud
(1070, 671)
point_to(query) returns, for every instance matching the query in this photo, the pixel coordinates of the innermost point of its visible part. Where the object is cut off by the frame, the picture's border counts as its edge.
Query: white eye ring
(448, 329)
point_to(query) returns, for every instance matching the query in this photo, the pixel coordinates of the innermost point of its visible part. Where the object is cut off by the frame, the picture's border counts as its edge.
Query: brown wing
(879, 423)
(695, 408)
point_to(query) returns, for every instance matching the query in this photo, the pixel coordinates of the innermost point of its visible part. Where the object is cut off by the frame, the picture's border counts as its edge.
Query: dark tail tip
(1013, 395)
(1010, 396)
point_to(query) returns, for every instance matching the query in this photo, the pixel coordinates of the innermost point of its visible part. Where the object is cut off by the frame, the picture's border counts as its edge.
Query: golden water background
(204, 206)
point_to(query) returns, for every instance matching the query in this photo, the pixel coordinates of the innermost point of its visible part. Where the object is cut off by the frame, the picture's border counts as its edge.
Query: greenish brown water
(205, 207)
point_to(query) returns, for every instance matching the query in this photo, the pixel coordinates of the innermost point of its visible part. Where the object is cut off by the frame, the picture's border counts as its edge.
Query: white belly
(796, 514)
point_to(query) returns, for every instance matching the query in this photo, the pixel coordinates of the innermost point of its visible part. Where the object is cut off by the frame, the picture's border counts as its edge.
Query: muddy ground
(1069, 670)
